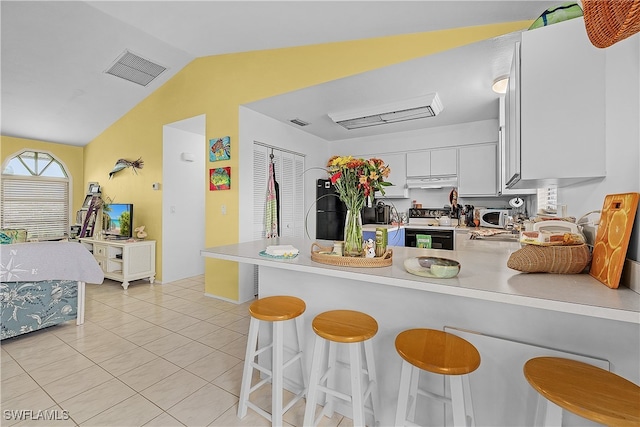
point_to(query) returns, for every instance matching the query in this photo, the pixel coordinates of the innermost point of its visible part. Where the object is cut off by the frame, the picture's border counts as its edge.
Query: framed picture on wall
(219, 149)
(220, 179)
(94, 188)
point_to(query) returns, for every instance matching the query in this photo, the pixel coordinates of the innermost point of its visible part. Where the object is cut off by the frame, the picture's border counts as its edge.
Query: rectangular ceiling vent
(135, 69)
(393, 112)
(299, 122)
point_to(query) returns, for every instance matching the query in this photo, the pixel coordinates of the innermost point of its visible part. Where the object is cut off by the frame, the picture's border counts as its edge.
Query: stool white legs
(548, 414)
(275, 374)
(359, 396)
(460, 400)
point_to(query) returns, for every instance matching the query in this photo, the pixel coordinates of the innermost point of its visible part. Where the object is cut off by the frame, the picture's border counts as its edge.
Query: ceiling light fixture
(500, 84)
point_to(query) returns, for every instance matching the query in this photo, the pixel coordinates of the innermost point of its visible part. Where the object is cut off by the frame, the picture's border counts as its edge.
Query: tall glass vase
(353, 234)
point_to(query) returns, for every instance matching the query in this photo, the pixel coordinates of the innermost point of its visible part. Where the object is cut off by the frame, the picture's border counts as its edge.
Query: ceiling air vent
(299, 122)
(393, 112)
(136, 69)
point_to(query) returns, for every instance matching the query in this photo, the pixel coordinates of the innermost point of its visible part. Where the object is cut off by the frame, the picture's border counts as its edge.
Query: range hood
(393, 112)
(433, 182)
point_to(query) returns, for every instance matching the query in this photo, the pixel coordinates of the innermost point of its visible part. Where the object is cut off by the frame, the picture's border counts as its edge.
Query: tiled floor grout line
(107, 318)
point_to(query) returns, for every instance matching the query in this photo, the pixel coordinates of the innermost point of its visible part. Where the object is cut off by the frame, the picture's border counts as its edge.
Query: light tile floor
(153, 355)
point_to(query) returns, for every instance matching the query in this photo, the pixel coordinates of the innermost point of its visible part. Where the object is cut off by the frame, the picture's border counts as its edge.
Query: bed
(42, 284)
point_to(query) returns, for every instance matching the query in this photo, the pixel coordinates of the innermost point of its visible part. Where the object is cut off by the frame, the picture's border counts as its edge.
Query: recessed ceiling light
(500, 84)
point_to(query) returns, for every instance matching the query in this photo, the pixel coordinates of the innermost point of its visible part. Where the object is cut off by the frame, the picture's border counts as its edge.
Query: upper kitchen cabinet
(478, 171)
(555, 124)
(440, 162)
(397, 177)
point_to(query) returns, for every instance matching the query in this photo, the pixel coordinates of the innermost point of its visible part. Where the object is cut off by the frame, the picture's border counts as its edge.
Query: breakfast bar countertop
(484, 275)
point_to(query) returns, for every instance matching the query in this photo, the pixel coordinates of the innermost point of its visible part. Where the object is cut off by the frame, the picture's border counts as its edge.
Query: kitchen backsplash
(437, 198)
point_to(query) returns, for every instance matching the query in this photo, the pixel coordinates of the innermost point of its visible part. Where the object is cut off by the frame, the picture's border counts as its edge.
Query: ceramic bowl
(440, 267)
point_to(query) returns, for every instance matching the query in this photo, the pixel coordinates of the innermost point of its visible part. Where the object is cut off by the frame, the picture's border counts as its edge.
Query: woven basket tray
(317, 255)
(550, 259)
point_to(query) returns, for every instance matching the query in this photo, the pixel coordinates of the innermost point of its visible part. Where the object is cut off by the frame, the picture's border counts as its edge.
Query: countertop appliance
(424, 221)
(330, 212)
(378, 214)
(494, 218)
(383, 213)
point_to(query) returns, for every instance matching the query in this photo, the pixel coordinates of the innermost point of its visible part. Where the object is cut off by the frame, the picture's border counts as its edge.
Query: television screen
(120, 217)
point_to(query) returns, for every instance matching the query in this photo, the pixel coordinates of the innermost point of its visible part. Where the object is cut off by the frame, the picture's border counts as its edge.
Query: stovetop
(428, 212)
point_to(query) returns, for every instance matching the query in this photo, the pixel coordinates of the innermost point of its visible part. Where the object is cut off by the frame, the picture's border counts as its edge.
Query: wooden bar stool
(355, 330)
(440, 353)
(586, 390)
(276, 310)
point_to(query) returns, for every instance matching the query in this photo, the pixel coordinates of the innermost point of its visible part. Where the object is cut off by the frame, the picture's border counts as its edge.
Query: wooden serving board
(612, 238)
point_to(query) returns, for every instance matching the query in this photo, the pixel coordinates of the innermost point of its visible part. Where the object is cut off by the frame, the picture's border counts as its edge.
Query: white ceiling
(54, 54)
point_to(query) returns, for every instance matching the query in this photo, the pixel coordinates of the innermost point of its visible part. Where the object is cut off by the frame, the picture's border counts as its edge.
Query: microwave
(494, 218)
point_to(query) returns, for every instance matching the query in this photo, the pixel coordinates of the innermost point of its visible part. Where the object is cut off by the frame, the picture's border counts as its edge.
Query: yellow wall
(70, 156)
(216, 86)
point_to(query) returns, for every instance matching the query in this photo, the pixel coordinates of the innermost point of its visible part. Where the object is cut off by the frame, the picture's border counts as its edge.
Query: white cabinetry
(397, 162)
(440, 162)
(558, 136)
(124, 261)
(478, 171)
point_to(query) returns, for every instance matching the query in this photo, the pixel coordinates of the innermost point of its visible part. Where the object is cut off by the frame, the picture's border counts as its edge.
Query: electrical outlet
(223, 209)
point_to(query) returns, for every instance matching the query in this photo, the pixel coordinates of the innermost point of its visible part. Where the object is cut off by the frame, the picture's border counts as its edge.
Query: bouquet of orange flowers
(355, 180)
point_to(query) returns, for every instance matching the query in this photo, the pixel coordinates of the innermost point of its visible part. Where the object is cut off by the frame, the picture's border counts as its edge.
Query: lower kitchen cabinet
(394, 238)
(124, 261)
(478, 170)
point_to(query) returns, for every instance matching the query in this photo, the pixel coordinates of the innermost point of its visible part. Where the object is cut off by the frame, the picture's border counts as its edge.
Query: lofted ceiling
(54, 55)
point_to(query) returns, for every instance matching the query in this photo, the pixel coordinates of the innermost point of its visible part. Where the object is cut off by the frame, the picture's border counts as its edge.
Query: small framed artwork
(220, 179)
(94, 188)
(219, 149)
(87, 201)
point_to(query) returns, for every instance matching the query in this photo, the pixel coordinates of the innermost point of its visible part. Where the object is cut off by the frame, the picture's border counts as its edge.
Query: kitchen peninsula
(509, 316)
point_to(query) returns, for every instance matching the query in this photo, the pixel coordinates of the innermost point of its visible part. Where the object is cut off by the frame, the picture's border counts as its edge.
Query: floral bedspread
(29, 306)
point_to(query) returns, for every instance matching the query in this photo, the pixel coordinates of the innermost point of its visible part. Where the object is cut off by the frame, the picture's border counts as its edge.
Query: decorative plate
(434, 267)
(266, 255)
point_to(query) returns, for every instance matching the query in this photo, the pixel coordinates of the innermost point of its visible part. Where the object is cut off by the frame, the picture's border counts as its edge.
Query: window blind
(548, 200)
(38, 204)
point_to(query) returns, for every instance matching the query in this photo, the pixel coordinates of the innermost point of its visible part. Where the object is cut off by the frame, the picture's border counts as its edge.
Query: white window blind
(548, 200)
(38, 204)
(289, 175)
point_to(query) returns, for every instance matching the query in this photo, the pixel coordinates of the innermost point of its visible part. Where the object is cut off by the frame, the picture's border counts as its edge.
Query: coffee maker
(383, 213)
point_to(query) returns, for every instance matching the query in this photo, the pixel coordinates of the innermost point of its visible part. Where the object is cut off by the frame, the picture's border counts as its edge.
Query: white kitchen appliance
(494, 218)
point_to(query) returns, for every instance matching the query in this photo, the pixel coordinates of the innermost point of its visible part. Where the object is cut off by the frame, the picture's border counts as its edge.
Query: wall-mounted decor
(220, 179)
(124, 163)
(219, 149)
(94, 188)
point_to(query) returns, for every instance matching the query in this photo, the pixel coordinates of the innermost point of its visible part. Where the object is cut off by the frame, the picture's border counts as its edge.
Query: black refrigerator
(330, 212)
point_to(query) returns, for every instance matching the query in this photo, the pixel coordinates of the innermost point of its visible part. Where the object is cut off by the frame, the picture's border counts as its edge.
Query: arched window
(35, 196)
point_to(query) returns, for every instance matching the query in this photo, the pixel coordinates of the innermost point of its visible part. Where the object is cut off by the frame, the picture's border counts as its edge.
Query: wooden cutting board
(612, 238)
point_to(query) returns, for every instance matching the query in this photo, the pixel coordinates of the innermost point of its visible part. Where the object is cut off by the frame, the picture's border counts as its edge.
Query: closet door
(289, 168)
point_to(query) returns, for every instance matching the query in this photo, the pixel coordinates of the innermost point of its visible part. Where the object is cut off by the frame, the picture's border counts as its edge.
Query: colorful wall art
(220, 179)
(219, 149)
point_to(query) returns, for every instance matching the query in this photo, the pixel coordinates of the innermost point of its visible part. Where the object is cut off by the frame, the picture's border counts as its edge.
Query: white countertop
(484, 275)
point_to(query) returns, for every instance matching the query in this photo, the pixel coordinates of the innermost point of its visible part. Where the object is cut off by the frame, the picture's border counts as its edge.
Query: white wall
(183, 192)
(622, 138)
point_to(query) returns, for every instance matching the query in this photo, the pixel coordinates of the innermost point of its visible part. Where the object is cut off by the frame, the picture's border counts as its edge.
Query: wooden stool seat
(588, 391)
(277, 308)
(441, 353)
(345, 326)
(437, 351)
(351, 330)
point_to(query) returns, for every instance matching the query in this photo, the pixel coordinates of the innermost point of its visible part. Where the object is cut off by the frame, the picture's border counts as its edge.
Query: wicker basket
(609, 21)
(321, 254)
(550, 259)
